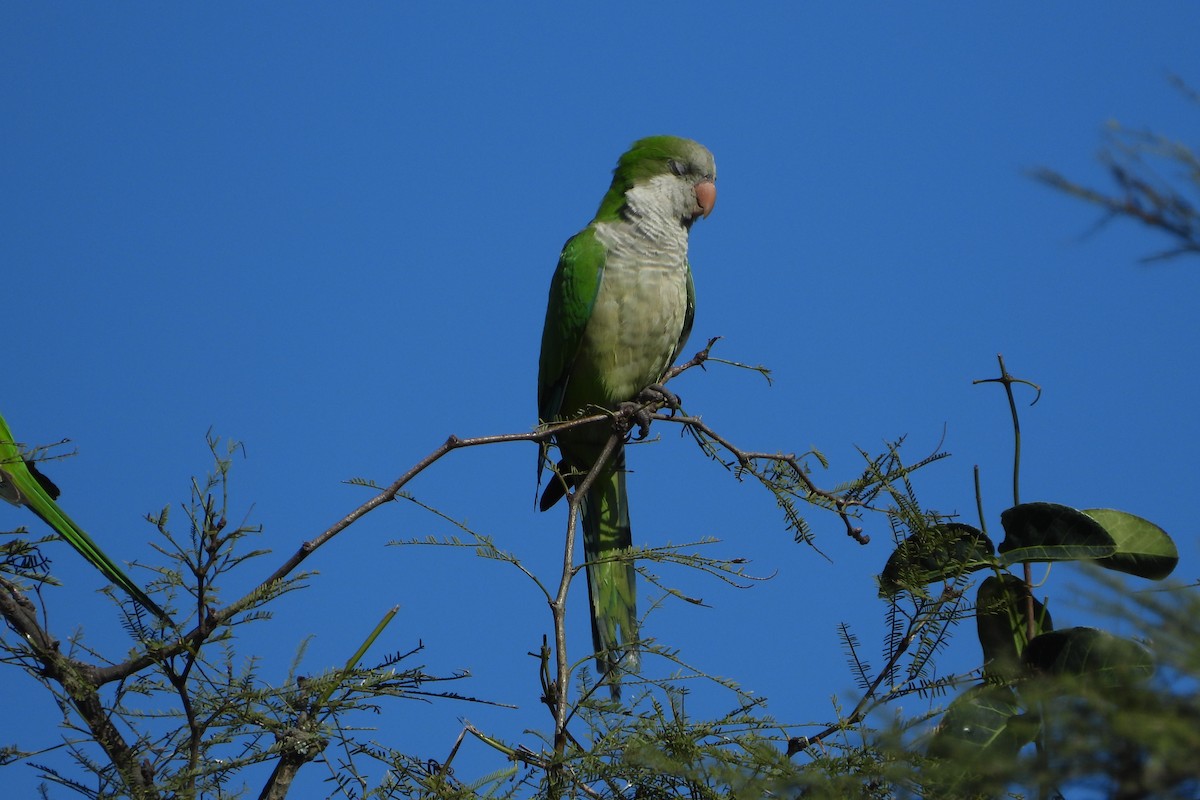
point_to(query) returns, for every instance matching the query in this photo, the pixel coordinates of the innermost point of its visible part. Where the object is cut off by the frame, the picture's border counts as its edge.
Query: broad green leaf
(1052, 532)
(976, 721)
(1097, 658)
(1143, 548)
(937, 553)
(1000, 617)
(977, 741)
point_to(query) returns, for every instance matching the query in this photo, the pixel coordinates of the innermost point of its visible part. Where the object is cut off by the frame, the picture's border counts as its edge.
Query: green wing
(23, 485)
(572, 296)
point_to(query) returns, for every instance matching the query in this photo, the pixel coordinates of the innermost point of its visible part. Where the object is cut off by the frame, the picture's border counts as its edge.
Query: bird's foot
(657, 393)
(637, 412)
(638, 415)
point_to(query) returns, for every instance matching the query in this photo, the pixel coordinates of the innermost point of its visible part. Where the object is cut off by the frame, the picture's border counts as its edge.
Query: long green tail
(22, 484)
(611, 584)
(75, 536)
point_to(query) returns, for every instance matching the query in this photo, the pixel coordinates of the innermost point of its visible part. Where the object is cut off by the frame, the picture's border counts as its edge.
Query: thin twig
(746, 459)
(869, 700)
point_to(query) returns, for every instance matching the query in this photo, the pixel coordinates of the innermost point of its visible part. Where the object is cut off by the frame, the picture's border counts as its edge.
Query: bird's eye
(676, 167)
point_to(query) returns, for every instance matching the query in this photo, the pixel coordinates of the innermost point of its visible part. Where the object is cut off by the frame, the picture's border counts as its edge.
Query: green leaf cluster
(1026, 660)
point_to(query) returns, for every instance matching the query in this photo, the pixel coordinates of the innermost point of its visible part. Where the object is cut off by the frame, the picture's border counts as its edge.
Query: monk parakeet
(22, 484)
(620, 311)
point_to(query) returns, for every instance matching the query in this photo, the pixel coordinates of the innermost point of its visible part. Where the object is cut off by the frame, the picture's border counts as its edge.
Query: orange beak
(706, 197)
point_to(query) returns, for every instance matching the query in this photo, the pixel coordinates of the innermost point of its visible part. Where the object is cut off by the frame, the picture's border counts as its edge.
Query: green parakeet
(620, 311)
(22, 484)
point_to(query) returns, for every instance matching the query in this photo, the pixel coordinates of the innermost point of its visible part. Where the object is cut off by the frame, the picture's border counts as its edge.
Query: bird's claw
(657, 393)
(639, 416)
(637, 413)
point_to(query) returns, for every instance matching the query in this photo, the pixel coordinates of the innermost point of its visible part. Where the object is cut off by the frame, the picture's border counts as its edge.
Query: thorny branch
(215, 619)
(559, 605)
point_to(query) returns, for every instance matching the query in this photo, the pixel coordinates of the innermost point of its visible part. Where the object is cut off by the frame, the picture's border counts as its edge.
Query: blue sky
(327, 232)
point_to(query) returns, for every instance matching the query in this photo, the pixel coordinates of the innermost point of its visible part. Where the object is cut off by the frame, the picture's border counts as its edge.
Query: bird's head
(679, 173)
